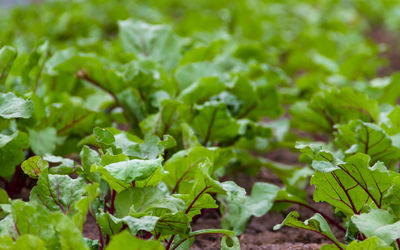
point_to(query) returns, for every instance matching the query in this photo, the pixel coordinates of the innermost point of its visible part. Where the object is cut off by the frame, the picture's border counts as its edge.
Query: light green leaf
(7, 57)
(121, 240)
(156, 42)
(379, 223)
(201, 90)
(121, 174)
(370, 243)
(239, 207)
(29, 242)
(14, 107)
(12, 153)
(43, 141)
(147, 200)
(104, 136)
(146, 223)
(70, 236)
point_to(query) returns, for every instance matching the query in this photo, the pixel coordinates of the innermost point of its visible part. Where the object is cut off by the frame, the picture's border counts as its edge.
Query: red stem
(112, 207)
(195, 199)
(186, 212)
(100, 237)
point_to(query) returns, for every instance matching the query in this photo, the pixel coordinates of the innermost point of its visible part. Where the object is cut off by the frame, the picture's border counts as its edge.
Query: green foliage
(132, 111)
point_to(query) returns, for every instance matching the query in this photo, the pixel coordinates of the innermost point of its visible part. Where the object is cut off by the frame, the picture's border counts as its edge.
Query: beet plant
(135, 118)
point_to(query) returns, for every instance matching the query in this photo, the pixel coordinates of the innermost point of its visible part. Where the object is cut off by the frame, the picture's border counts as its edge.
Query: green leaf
(228, 236)
(156, 42)
(89, 157)
(12, 152)
(193, 72)
(104, 136)
(29, 242)
(239, 207)
(379, 223)
(201, 53)
(7, 57)
(70, 236)
(146, 223)
(201, 90)
(121, 174)
(354, 185)
(147, 200)
(170, 224)
(183, 164)
(121, 240)
(151, 148)
(168, 142)
(58, 192)
(213, 123)
(60, 165)
(368, 138)
(204, 201)
(167, 120)
(14, 107)
(43, 141)
(370, 243)
(34, 166)
(327, 108)
(34, 219)
(316, 223)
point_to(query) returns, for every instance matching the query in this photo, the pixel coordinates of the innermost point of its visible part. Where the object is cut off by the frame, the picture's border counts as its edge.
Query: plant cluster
(131, 112)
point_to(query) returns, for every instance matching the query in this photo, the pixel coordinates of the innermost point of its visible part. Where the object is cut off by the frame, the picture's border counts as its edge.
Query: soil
(392, 54)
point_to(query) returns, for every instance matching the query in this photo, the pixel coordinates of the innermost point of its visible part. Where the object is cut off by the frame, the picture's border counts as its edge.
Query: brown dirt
(391, 40)
(90, 228)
